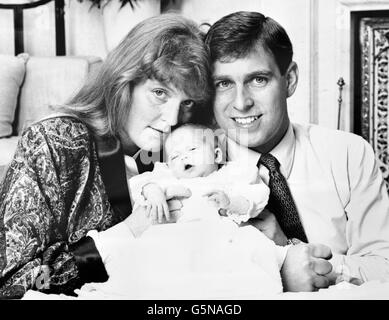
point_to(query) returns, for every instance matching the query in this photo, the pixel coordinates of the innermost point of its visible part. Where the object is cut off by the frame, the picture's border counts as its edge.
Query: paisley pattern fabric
(51, 196)
(281, 201)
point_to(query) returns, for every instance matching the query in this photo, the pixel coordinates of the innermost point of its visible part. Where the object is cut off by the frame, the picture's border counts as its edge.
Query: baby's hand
(155, 196)
(219, 199)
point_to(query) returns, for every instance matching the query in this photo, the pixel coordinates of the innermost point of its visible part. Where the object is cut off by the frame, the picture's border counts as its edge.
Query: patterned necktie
(281, 201)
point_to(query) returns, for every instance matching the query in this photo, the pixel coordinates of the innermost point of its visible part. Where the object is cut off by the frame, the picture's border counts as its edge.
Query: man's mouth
(245, 121)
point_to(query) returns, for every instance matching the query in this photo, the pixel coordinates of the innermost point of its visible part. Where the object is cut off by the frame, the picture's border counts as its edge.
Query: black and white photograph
(194, 150)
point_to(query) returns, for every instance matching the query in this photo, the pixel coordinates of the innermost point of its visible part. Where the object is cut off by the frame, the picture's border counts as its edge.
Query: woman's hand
(174, 196)
(155, 196)
(141, 217)
(139, 220)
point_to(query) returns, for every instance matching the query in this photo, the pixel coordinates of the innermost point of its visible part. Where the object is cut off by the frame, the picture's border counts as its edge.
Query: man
(340, 199)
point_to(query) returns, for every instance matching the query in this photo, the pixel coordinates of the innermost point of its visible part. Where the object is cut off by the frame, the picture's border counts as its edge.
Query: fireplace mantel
(365, 5)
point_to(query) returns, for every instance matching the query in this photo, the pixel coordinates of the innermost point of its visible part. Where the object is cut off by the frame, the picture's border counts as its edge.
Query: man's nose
(243, 100)
(171, 111)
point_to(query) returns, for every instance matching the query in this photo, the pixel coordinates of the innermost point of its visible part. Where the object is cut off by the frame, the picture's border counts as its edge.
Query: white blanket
(212, 259)
(373, 290)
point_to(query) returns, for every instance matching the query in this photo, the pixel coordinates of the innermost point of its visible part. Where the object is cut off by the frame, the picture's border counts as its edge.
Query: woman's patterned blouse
(51, 196)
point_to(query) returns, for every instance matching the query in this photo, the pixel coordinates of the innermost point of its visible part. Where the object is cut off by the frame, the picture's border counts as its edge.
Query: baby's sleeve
(246, 182)
(257, 194)
(159, 176)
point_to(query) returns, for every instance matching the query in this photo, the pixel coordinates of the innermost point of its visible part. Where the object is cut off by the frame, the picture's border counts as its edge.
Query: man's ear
(292, 76)
(218, 155)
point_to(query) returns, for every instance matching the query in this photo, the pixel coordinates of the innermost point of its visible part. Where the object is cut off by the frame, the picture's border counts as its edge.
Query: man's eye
(188, 104)
(259, 80)
(159, 93)
(192, 149)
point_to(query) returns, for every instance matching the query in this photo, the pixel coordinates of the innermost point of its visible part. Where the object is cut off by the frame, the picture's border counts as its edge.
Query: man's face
(250, 102)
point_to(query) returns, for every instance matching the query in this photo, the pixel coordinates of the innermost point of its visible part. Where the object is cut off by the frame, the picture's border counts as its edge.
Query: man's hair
(168, 48)
(238, 34)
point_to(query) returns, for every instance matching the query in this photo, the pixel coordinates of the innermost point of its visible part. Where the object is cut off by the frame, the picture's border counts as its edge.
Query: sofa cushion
(12, 71)
(51, 81)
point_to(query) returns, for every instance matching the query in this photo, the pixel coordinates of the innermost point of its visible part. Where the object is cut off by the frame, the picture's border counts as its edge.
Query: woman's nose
(171, 111)
(243, 100)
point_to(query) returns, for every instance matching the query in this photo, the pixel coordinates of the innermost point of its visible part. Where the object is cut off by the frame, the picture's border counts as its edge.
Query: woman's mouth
(160, 131)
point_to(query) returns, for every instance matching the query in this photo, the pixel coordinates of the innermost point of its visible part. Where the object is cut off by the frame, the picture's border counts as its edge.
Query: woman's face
(155, 108)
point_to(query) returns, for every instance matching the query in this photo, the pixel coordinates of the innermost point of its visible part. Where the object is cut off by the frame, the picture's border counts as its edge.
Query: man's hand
(305, 267)
(218, 199)
(268, 224)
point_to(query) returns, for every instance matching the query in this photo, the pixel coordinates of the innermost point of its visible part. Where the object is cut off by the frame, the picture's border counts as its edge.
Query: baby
(194, 160)
(208, 249)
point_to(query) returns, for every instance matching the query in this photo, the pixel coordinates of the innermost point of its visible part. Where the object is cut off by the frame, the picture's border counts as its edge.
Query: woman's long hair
(168, 48)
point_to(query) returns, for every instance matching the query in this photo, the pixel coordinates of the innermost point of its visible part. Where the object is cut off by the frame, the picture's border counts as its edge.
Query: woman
(68, 175)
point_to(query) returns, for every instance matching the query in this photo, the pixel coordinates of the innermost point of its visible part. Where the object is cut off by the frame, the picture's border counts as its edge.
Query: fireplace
(370, 59)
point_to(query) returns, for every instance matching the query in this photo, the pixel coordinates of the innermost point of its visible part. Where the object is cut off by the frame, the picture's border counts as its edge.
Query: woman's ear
(292, 76)
(218, 155)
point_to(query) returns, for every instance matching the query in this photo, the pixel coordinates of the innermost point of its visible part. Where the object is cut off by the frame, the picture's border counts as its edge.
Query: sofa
(29, 85)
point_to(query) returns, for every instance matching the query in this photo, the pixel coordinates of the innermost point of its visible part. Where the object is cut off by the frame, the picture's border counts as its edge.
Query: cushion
(12, 71)
(51, 81)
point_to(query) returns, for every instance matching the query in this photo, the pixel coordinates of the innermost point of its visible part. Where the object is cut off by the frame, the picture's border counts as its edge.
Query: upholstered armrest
(2, 172)
(7, 149)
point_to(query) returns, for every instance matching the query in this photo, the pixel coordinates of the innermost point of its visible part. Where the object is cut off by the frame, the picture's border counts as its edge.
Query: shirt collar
(283, 151)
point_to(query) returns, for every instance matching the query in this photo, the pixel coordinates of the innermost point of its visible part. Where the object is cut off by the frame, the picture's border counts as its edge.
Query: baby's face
(189, 154)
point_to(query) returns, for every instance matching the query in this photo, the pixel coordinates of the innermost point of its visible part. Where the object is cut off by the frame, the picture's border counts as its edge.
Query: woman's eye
(192, 149)
(223, 84)
(159, 93)
(188, 104)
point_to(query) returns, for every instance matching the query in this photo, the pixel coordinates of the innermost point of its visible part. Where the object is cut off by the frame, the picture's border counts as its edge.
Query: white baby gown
(202, 256)
(207, 259)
